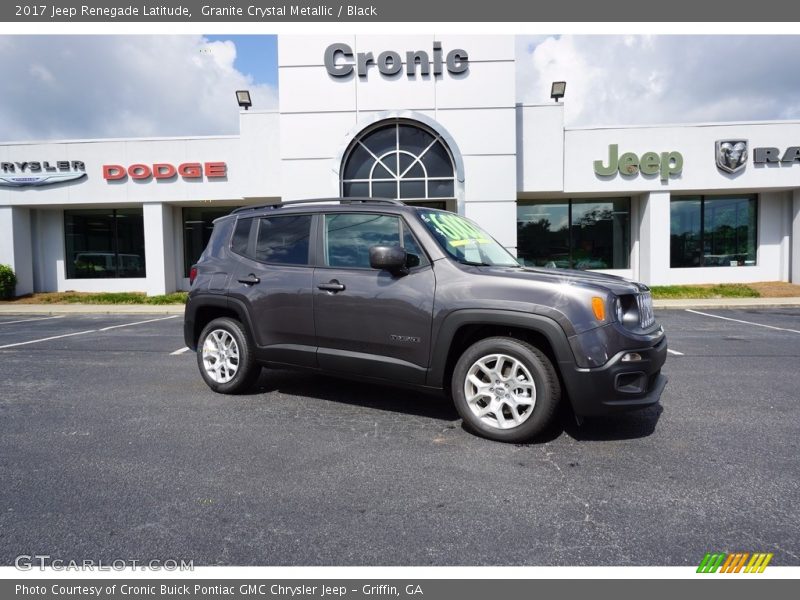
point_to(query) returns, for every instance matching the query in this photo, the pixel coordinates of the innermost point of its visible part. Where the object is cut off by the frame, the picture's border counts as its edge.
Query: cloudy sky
(617, 80)
(64, 87)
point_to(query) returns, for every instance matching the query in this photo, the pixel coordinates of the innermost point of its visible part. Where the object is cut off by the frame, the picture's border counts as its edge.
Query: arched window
(398, 159)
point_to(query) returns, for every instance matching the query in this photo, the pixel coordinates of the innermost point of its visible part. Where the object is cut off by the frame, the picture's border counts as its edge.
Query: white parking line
(56, 337)
(30, 320)
(675, 352)
(697, 312)
(138, 323)
(180, 351)
(47, 339)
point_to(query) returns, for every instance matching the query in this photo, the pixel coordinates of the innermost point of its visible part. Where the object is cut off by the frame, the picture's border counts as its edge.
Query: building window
(104, 243)
(400, 159)
(713, 231)
(197, 226)
(575, 234)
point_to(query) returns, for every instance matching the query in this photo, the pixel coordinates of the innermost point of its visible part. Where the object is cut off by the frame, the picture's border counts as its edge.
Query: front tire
(505, 389)
(225, 357)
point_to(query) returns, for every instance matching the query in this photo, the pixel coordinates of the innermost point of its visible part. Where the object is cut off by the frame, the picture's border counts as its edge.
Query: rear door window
(284, 240)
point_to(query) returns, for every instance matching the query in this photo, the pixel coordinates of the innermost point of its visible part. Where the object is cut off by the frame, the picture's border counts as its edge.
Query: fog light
(631, 357)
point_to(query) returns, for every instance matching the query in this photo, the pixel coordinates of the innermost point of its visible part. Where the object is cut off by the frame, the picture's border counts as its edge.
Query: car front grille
(646, 316)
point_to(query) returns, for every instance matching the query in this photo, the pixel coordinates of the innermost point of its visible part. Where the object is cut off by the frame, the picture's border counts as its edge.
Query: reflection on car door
(274, 282)
(367, 321)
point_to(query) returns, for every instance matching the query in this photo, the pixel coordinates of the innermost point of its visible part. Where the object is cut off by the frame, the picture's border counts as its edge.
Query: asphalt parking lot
(112, 447)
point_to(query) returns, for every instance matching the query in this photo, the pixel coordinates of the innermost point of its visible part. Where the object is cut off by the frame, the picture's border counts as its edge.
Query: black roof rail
(242, 209)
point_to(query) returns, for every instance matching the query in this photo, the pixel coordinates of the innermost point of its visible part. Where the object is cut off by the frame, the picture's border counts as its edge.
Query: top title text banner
(244, 11)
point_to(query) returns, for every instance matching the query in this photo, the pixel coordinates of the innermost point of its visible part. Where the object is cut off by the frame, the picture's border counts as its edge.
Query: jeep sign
(341, 61)
(665, 164)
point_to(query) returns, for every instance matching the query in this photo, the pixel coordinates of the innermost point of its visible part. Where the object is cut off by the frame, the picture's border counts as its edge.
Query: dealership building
(432, 120)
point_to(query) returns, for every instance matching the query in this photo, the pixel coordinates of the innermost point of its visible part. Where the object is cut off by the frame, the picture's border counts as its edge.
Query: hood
(612, 283)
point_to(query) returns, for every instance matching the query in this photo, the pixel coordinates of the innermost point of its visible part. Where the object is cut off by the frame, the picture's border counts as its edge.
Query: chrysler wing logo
(731, 155)
(36, 173)
(27, 179)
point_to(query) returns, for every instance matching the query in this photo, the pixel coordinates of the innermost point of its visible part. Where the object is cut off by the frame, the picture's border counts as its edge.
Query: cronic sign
(341, 61)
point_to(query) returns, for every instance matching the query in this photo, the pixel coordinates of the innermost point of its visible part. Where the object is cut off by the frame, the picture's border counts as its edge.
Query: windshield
(465, 241)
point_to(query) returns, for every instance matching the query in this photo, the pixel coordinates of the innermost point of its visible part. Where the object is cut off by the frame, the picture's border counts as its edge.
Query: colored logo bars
(734, 562)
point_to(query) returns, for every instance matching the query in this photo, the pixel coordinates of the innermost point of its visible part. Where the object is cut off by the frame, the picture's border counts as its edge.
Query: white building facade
(432, 120)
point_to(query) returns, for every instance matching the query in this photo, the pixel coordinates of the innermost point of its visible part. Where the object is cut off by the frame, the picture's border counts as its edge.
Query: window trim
(756, 197)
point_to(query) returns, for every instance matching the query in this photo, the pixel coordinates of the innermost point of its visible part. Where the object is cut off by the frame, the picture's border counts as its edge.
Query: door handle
(249, 280)
(331, 286)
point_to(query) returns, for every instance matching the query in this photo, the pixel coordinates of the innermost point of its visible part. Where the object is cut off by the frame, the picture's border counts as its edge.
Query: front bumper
(617, 385)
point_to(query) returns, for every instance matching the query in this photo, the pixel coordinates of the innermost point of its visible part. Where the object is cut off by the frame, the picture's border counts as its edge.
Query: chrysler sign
(341, 61)
(37, 173)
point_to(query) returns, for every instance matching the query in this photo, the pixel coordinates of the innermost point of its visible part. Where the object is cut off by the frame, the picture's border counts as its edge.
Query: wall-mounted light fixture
(243, 98)
(558, 89)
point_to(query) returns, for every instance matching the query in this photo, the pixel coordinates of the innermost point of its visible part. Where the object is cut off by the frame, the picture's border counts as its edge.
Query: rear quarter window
(241, 235)
(219, 238)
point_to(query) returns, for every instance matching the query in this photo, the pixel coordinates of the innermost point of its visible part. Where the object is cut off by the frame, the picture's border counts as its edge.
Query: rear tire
(225, 357)
(505, 389)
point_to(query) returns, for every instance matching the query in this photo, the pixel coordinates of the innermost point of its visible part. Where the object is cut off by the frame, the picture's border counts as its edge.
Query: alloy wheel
(500, 391)
(220, 356)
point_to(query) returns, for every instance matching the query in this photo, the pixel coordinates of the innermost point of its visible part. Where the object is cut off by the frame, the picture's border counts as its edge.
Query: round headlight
(627, 311)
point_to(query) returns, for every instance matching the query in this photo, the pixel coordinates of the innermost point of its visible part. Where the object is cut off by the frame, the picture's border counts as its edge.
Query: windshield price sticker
(456, 230)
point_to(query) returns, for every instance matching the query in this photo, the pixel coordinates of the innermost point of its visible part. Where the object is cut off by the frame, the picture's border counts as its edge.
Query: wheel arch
(463, 328)
(214, 307)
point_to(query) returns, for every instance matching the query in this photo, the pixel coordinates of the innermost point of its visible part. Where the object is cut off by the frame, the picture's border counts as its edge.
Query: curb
(92, 309)
(728, 303)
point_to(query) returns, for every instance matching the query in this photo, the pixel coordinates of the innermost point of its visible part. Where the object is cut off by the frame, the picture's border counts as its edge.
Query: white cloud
(61, 87)
(614, 80)
(129, 86)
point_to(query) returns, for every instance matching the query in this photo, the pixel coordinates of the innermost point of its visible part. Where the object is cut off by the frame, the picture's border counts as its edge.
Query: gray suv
(381, 291)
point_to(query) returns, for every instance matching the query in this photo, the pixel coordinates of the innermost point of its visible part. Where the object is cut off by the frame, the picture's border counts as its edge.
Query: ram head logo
(731, 155)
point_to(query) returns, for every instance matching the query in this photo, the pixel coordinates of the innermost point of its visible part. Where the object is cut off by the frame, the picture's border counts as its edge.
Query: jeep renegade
(383, 291)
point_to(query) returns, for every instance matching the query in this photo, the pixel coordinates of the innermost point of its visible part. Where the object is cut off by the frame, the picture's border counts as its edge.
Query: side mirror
(388, 258)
